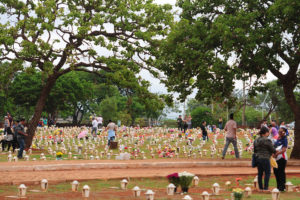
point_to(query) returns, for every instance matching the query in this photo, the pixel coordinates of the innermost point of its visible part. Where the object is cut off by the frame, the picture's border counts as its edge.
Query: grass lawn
(109, 189)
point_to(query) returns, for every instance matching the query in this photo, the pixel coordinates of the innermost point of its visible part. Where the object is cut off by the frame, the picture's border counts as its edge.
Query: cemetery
(150, 99)
(147, 163)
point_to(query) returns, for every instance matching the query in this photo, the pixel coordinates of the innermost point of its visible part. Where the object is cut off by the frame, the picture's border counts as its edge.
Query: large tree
(217, 42)
(59, 36)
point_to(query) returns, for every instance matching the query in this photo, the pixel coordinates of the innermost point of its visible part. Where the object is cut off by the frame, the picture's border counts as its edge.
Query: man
(21, 137)
(204, 132)
(94, 127)
(220, 123)
(179, 123)
(100, 121)
(112, 129)
(230, 129)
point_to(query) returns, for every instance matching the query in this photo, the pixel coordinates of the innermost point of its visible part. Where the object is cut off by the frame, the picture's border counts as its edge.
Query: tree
(109, 109)
(201, 114)
(60, 36)
(68, 92)
(218, 42)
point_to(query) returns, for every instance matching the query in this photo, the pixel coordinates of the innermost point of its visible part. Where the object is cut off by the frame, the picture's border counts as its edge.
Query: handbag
(254, 160)
(273, 162)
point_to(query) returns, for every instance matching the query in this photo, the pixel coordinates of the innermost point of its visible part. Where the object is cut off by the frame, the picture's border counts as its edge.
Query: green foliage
(109, 109)
(252, 116)
(201, 114)
(215, 43)
(125, 118)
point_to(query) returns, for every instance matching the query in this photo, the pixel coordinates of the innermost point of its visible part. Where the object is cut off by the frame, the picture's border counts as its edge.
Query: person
(220, 123)
(10, 119)
(94, 127)
(189, 122)
(264, 149)
(264, 123)
(185, 125)
(281, 145)
(112, 129)
(282, 125)
(203, 129)
(21, 137)
(51, 122)
(273, 131)
(45, 121)
(100, 121)
(179, 123)
(6, 124)
(230, 128)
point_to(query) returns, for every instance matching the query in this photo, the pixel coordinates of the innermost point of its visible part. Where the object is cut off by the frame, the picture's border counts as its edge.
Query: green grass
(103, 188)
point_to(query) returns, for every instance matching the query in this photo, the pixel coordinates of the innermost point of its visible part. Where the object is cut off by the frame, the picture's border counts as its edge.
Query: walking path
(61, 171)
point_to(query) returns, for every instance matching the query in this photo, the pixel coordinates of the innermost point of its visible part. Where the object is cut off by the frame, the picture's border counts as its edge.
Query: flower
(238, 193)
(59, 154)
(238, 190)
(185, 179)
(174, 178)
(186, 174)
(174, 175)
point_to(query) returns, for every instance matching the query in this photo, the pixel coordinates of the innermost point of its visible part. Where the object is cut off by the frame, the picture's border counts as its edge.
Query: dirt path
(70, 175)
(61, 171)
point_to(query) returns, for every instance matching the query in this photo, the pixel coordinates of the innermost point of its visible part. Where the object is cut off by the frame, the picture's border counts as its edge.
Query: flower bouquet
(238, 193)
(59, 155)
(174, 178)
(185, 180)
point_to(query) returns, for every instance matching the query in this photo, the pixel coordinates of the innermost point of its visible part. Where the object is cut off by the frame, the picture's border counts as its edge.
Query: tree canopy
(114, 39)
(218, 42)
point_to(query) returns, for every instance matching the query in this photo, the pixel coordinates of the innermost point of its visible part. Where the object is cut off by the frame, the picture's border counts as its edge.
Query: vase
(236, 197)
(185, 189)
(58, 158)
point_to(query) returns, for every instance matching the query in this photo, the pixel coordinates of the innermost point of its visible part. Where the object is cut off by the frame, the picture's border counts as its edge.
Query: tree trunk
(295, 107)
(265, 117)
(32, 125)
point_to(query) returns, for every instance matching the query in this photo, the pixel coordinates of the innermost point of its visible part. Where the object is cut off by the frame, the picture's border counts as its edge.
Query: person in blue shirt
(281, 145)
(282, 125)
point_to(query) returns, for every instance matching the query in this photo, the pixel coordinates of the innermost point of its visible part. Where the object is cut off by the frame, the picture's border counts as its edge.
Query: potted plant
(174, 178)
(238, 193)
(185, 180)
(59, 155)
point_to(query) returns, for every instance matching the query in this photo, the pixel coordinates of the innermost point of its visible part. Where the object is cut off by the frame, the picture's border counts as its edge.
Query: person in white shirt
(100, 121)
(112, 129)
(95, 127)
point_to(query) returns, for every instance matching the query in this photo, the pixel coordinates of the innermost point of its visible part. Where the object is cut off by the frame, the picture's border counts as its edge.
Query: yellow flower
(59, 154)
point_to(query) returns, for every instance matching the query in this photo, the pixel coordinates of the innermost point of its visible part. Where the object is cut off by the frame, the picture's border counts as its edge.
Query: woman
(264, 149)
(189, 122)
(281, 159)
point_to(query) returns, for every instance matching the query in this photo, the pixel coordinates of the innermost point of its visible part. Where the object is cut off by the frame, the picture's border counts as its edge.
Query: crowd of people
(273, 143)
(14, 135)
